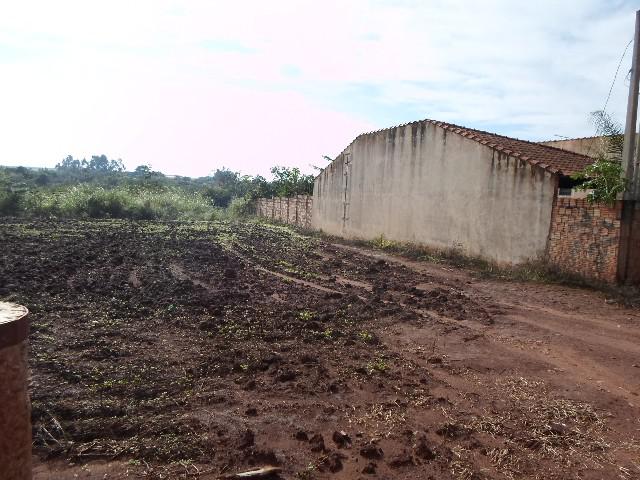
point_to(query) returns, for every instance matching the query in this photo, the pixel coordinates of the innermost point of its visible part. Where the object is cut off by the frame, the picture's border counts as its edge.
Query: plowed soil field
(198, 350)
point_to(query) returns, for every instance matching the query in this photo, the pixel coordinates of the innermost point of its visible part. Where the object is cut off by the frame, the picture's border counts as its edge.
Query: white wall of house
(420, 183)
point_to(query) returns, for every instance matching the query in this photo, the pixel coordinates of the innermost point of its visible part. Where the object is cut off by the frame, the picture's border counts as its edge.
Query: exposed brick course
(291, 210)
(585, 238)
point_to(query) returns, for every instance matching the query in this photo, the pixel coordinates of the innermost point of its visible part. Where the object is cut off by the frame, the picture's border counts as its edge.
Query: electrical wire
(606, 103)
(616, 75)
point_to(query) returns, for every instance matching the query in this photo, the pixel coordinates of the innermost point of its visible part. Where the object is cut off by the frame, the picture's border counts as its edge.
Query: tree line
(21, 188)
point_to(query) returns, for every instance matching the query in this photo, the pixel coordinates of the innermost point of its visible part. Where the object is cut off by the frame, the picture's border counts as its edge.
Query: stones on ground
(251, 412)
(334, 387)
(371, 451)
(453, 431)
(422, 450)
(341, 439)
(317, 443)
(301, 436)
(286, 375)
(247, 439)
(369, 469)
(556, 428)
(401, 460)
(331, 462)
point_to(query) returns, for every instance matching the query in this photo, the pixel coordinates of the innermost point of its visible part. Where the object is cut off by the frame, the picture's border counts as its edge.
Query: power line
(616, 75)
(606, 103)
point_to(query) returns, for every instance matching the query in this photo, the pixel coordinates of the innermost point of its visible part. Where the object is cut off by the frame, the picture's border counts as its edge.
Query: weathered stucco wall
(419, 183)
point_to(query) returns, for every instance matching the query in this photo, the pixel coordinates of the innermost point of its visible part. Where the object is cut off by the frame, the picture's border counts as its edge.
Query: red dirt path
(268, 345)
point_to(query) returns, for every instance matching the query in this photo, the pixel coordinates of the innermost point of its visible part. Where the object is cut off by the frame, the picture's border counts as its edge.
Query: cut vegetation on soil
(204, 349)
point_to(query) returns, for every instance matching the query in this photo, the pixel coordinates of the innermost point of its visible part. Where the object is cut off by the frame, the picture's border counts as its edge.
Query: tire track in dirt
(282, 276)
(589, 349)
(181, 274)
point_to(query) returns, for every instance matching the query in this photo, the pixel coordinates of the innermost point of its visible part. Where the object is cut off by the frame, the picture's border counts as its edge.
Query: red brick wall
(292, 210)
(584, 238)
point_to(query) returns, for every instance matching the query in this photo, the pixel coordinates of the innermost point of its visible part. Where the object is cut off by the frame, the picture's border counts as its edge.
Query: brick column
(15, 408)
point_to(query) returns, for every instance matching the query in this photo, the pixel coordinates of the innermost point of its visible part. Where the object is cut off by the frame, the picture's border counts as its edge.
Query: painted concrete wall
(419, 183)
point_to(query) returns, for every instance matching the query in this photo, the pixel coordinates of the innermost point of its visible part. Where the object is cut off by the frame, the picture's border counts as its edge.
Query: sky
(189, 86)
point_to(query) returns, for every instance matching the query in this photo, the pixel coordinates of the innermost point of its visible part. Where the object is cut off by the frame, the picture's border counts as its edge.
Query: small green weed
(365, 336)
(384, 244)
(306, 315)
(377, 365)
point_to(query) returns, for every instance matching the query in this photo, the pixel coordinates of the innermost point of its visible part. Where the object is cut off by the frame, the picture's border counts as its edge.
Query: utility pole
(629, 148)
(630, 169)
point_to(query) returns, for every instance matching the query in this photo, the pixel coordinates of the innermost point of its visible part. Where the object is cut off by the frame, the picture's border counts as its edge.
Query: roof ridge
(566, 139)
(576, 138)
(538, 144)
(571, 163)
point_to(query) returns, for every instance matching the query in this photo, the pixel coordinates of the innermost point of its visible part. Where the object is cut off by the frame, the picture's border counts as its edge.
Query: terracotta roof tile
(552, 159)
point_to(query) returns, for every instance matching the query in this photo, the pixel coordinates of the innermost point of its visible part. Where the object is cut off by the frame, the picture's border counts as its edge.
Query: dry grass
(565, 430)
(461, 466)
(381, 420)
(506, 461)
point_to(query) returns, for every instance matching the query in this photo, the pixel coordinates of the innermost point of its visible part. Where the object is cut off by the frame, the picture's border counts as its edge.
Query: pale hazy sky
(192, 85)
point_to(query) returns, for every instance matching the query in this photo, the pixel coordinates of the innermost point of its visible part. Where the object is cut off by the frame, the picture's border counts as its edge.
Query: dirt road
(196, 350)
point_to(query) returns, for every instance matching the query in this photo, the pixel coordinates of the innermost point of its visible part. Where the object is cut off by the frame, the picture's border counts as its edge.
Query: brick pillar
(15, 408)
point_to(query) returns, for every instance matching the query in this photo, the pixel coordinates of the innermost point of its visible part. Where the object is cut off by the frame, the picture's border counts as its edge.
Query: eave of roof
(551, 159)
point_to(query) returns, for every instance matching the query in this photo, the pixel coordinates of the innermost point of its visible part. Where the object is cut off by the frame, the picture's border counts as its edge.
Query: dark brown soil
(194, 350)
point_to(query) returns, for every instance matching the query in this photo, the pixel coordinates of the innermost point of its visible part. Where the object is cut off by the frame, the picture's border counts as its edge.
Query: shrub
(10, 203)
(120, 202)
(604, 177)
(241, 207)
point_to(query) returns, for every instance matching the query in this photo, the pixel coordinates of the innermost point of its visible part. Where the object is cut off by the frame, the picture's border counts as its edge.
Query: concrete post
(629, 147)
(15, 408)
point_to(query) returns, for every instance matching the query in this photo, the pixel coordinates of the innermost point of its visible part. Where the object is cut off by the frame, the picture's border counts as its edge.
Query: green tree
(69, 163)
(142, 171)
(288, 182)
(102, 164)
